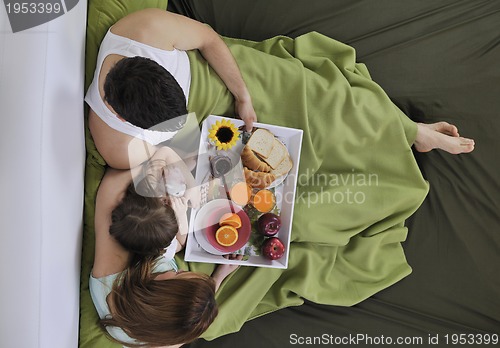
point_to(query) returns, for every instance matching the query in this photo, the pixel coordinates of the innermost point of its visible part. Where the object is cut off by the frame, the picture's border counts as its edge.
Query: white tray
(285, 194)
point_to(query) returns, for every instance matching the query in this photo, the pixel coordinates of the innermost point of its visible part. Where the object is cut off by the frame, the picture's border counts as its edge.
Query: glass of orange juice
(264, 200)
(240, 193)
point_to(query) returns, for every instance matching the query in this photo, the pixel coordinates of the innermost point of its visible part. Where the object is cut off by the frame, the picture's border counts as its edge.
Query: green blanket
(358, 180)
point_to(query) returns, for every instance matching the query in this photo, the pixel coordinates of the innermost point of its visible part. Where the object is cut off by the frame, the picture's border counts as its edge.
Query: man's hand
(244, 109)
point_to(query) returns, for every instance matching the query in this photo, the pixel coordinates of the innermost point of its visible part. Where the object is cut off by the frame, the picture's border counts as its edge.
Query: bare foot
(441, 135)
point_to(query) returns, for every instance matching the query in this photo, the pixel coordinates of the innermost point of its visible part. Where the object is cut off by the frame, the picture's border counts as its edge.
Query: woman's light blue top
(101, 287)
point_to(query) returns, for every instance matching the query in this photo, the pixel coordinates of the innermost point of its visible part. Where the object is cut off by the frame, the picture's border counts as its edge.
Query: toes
(467, 148)
(454, 131)
(466, 145)
(466, 141)
(446, 128)
(444, 136)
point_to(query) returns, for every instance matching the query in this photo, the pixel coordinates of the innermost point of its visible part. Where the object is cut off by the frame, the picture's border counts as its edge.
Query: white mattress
(42, 155)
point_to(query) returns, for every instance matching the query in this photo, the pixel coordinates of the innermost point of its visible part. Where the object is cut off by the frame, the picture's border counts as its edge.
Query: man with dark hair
(142, 80)
(123, 106)
(144, 93)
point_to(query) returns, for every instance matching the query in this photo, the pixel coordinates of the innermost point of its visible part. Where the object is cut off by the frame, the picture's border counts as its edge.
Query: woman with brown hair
(140, 295)
(145, 219)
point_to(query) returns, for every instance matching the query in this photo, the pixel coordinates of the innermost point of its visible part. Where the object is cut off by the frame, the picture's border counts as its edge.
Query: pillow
(101, 15)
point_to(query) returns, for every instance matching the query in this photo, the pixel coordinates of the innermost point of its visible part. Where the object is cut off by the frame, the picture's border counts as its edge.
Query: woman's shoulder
(161, 264)
(110, 257)
(100, 292)
(164, 264)
(99, 289)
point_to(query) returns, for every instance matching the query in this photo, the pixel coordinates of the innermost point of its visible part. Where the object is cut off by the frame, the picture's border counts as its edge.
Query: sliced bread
(278, 153)
(261, 142)
(284, 167)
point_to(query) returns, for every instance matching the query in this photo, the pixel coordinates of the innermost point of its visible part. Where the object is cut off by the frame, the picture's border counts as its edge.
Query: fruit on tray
(264, 201)
(273, 248)
(240, 193)
(230, 219)
(226, 235)
(268, 224)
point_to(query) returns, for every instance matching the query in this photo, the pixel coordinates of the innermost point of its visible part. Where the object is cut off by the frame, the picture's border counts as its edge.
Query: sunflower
(224, 134)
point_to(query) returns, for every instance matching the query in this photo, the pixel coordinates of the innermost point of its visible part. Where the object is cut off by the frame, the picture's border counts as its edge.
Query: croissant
(251, 161)
(258, 179)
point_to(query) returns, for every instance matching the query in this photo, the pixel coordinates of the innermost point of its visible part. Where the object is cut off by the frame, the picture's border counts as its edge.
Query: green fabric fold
(358, 180)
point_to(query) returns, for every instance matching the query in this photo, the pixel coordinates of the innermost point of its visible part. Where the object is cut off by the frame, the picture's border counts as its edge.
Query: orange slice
(230, 219)
(240, 193)
(226, 235)
(264, 201)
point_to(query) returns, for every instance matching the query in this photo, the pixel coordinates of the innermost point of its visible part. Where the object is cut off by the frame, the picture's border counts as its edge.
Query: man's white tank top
(175, 62)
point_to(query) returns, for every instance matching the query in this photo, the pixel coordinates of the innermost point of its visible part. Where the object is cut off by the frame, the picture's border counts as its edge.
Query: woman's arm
(110, 257)
(172, 158)
(222, 271)
(179, 205)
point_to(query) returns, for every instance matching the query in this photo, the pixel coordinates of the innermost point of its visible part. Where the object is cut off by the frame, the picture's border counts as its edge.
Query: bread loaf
(251, 161)
(258, 179)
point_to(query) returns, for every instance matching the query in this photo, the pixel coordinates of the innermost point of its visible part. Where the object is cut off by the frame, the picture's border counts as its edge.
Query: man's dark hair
(144, 93)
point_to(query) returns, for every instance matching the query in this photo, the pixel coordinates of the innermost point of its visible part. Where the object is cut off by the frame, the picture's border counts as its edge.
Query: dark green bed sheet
(437, 60)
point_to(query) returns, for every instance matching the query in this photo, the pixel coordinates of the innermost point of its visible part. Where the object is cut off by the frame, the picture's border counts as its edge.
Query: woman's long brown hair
(161, 312)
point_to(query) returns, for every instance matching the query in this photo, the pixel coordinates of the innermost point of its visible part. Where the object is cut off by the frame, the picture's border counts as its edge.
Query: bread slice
(278, 154)
(261, 142)
(284, 167)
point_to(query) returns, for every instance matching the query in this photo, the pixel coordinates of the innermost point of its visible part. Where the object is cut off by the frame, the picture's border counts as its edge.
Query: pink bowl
(211, 224)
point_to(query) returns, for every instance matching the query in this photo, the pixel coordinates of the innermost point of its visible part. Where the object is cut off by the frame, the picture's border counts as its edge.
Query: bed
(437, 60)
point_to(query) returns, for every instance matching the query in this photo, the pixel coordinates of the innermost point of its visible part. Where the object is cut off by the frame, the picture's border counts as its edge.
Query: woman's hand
(179, 205)
(193, 196)
(244, 109)
(226, 269)
(223, 270)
